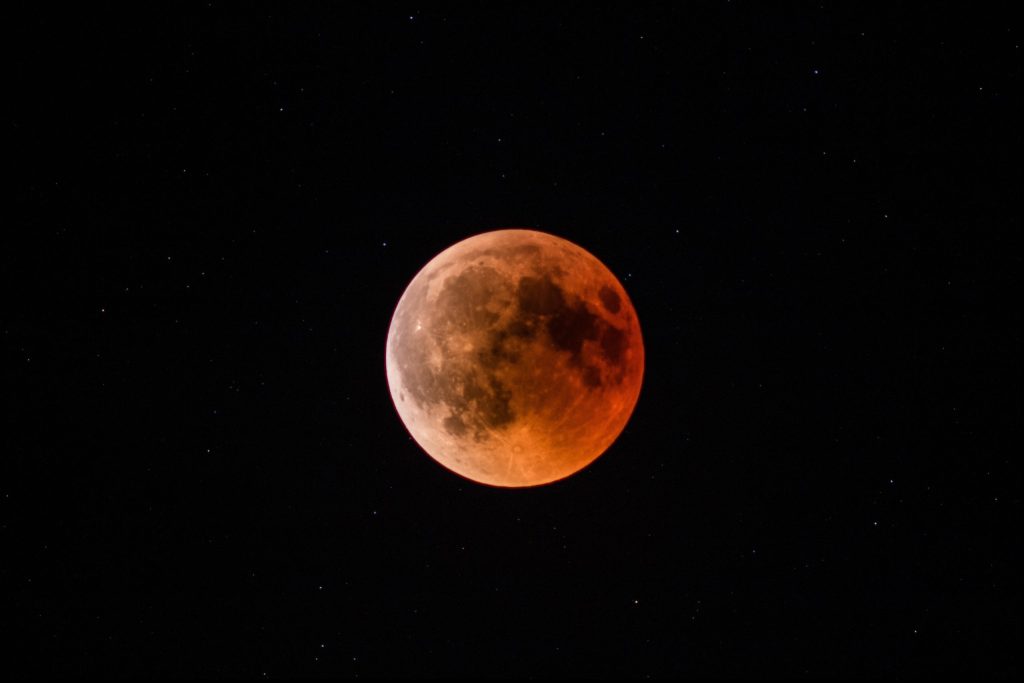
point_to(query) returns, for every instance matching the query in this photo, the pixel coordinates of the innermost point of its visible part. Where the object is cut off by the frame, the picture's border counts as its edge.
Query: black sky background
(814, 207)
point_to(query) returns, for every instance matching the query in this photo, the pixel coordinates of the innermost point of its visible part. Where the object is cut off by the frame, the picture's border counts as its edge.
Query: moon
(514, 358)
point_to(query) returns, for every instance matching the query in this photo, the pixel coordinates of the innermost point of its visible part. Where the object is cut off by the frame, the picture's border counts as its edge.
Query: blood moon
(514, 358)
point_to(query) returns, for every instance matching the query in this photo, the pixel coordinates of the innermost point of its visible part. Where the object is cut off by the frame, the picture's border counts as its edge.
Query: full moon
(514, 358)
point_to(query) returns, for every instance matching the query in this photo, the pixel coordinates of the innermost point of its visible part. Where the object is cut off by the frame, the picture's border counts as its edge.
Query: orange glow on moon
(514, 358)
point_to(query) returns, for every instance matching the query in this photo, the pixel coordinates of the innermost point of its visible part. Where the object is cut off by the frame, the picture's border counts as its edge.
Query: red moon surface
(514, 358)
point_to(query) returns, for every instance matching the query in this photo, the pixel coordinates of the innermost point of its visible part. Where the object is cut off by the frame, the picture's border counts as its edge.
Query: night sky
(215, 208)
